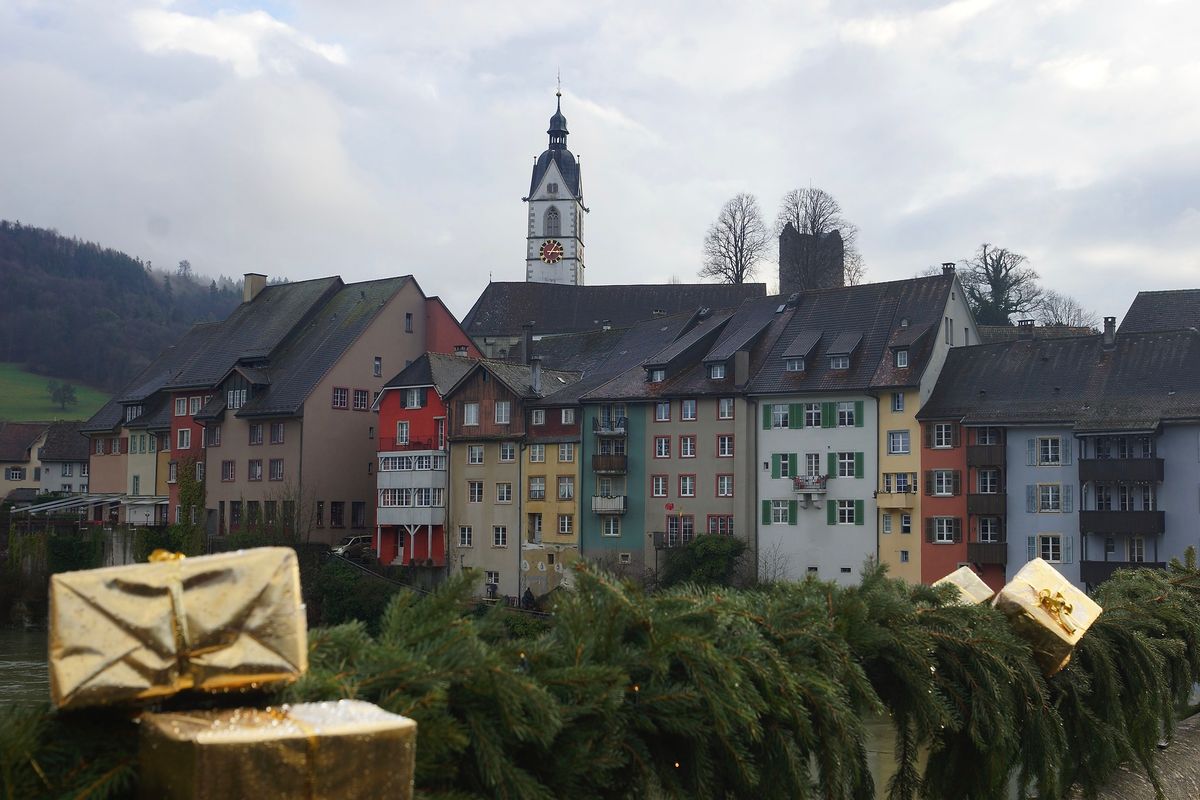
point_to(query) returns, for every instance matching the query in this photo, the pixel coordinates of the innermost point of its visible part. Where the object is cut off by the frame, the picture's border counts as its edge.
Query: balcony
(1095, 572)
(614, 426)
(392, 515)
(809, 484)
(610, 463)
(987, 552)
(1112, 470)
(985, 455)
(390, 444)
(1138, 523)
(988, 505)
(610, 505)
(895, 500)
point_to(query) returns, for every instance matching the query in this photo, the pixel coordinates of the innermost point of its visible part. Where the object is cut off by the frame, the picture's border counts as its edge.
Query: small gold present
(971, 588)
(211, 623)
(346, 750)
(1048, 612)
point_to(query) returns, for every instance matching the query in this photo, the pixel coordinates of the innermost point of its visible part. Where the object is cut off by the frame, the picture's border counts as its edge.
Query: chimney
(460, 350)
(535, 379)
(252, 284)
(1024, 329)
(606, 324)
(947, 267)
(527, 334)
(1110, 332)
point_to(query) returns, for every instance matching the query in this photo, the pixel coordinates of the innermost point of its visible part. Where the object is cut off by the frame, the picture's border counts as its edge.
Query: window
(566, 487)
(173, 472)
(568, 416)
(465, 538)
(716, 372)
(503, 412)
(987, 436)
(256, 434)
(839, 362)
(687, 410)
(845, 512)
(785, 464)
(687, 485)
(377, 367)
(725, 408)
(213, 434)
(658, 375)
(779, 415)
(1049, 450)
(67, 470)
(193, 405)
(1137, 549)
(1050, 547)
(181, 406)
(235, 514)
(362, 400)
(537, 487)
(898, 442)
(66, 487)
(903, 556)
(988, 481)
(503, 492)
(470, 413)
(906, 523)
(538, 417)
(402, 432)
(83, 471)
(989, 530)
(812, 415)
(949, 331)
(184, 439)
(474, 454)
(720, 524)
(15, 474)
(724, 486)
(254, 469)
(499, 536)
(408, 322)
(474, 491)
(552, 222)
(845, 412)
(845, 465)
(779, 512)
(662, 411)
(793, 365)
(813, 464)
(943, 482)
(885, 525)
(337, 514)
(566, 453)
(658, 485)
(897, 401)
(687, 446)
(943, 530)
(537, 453)
(236, 398)
(566, 524)
(341, 397)
(99, 447)
(725, 445)
(411, 398)
(276, 469)
(662, 446)
(358, 514)
(681, 529)
(318, 512)
(508, 452)
(943, 435)
(1049, 497)
(906, 482)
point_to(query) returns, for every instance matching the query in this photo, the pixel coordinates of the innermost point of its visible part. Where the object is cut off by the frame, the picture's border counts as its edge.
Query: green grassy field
(23, 396)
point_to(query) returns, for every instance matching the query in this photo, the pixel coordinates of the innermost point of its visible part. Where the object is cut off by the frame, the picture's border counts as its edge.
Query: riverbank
(23, 673)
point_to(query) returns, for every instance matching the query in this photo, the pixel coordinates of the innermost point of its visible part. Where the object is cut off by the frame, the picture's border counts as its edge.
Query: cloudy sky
(369, 138)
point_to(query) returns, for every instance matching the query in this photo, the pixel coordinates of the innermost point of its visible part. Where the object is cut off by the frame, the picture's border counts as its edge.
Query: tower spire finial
(558, 92)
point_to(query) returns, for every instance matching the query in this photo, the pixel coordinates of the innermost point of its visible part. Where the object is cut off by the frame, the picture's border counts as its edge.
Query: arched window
(553, 227)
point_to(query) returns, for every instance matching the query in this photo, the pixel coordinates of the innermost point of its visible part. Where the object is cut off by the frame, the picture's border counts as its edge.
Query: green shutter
(831, 512)
(795, 462)
(766, 512)
(859, 516)
(795, 415)
(791, 512)
(766, 416)
(831, 462)
(775, 470)
(828, 415)
(858, 465)
(858, 413)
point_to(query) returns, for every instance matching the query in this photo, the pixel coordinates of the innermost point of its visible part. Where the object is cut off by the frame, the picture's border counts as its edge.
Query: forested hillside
(79, 311)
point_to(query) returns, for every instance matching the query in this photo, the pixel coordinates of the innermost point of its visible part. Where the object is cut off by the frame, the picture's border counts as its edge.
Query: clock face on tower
(551, 251)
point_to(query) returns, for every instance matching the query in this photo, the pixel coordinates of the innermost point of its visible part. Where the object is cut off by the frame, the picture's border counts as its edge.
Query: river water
(23, 675)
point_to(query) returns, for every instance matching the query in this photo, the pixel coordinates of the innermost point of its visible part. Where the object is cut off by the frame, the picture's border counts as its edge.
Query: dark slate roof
(104, 420)
(845, 343)
(255, 329)
(170, 362)
(568, 167)
(438, 370)
(922, 305)
(1171, 310)
(1144, 379)
(752, 318)
(318, 343)
(909, 335)
(558, 308)
(17, 437)
(156, 414)
(64, 442)
(802, 344)
(519, 378)
(700, 336)
(1004, 333)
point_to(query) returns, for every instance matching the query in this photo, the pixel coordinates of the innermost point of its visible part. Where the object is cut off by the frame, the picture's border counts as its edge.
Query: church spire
(558, 123)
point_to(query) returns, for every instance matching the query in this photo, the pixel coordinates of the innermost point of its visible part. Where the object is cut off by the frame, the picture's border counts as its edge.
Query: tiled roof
(170, 362)
(64, 442)
(104, 420)
(845, 343)
(17, 437)
(1176, 309)
(802, 344)
(557, 308)
(156, 414)
(1004, 333)
(1144, 379)
(438, 370)
(753, 317)
(695, 340)
(519, 378)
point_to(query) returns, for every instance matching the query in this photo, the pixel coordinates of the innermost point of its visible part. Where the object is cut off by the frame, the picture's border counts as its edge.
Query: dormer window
(794, 364)
(716, 371)
(839, 362)
(658, 375)
(901, 358)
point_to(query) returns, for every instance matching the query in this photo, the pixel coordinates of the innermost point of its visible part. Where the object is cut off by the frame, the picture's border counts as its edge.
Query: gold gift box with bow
(211, 623)
(1047, 611)
(971, 588)
(346, 750)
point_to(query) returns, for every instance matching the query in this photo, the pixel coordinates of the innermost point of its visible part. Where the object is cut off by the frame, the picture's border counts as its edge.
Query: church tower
(554, 243)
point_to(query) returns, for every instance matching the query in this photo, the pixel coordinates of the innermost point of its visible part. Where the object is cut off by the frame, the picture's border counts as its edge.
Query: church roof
(568, 167)
(1170, 310)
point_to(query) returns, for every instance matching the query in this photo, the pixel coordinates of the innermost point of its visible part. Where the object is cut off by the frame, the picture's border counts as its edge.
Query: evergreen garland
(718, 693)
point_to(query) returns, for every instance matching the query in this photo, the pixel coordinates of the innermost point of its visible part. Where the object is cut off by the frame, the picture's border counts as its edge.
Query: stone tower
(554, 238)
(810, 262)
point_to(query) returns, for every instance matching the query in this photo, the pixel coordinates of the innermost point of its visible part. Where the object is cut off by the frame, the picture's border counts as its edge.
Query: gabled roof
(170, 362)
(432, 369)
(1172, 310)
(751, 319)
(568, 167)
(106, 419)
(16, 438)
(156, 414)
(558, 308)
(1144, 379)
(802, 344)
(694, 340)
(844, 344)
(64, 442)
(518, 378)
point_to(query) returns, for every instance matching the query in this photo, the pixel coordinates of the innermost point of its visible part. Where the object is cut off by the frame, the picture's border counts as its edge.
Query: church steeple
(558, 126)
(554, 235)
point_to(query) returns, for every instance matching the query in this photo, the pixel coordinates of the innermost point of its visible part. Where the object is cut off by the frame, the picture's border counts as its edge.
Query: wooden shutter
(858, 465)
(858, 413)
(1068, 548)
(832, 464)
(929, 523)
(1030, 498)
(956, 483)
(929, 482)
(1068, 500)
(958, 532)
(775, 468)
(828, 415)
(766, 512)
(831, 512)
(929, 435)
(795, 415)
(1030, 452)
(860, 516)
(1066, 447)
(955, 435)
(1033, 548)
(792, 512)
(766, 416)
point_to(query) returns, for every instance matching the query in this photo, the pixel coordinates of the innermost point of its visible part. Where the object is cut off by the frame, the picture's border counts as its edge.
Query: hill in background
(23, 398)
(87, 314)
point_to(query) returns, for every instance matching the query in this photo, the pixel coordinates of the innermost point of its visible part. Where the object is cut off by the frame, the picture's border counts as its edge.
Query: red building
(944, 507)
(187, 449)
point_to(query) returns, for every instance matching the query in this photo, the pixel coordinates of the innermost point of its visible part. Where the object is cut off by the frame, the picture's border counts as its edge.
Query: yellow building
(551, 525)
(899, 498)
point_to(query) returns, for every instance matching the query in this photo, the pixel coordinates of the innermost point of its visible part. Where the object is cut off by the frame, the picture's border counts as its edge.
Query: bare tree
(999, 283)
(1056, 308)
(773, 564)
(736, 242)
(817, 212)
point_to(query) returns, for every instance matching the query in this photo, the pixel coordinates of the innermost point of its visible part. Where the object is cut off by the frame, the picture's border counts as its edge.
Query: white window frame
(1049, 498)
(902, 358)
(845, 512)
(845, 464)
(943, 530)
(658, 375)
(1050, 547)
(897, 402)
(474, 491)
(899, 443)
(491, 577)
(780, 415)
(725, 485)
(402, 431)
(724, 445)
(537, 416)
(568, 416)
(845, 414)
(658, 485)
(470, 414)
(508, 452)
(687, 485)
(503, 412)
(662, 446)
(684, 406)
(184, 439)
(503, 492)
(885, 523)
(989, 530)
(839, 362)
(725, 408)
(466, 536)
(716, 372)
(687, 446)
(662, 411)
(793, 365)
(566, 524)
(566, 453)
(499, 536)
(181, 406)
(812, 415)
(1049, 451)
(612, 525)
(987, 480)
(779, 512)
(537, 454)
(566, 487)
(943, 483)
(474, 454)
(537, 487)
(943, 435)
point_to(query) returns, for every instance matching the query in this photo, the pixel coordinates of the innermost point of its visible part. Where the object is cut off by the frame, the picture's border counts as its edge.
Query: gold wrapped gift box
(971, 588)
(211, 623)
(346, 750)
(1047, 611)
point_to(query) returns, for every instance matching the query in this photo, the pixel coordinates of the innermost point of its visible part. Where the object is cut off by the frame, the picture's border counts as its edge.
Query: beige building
(20, 467)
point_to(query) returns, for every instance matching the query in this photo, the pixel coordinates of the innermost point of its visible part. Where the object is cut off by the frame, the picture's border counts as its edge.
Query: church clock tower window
(553, 224)
(554, 251)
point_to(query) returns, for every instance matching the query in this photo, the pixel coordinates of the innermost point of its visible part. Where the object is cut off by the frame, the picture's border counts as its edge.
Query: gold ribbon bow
(1057, 607)
(186, 679)
(165, 555)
